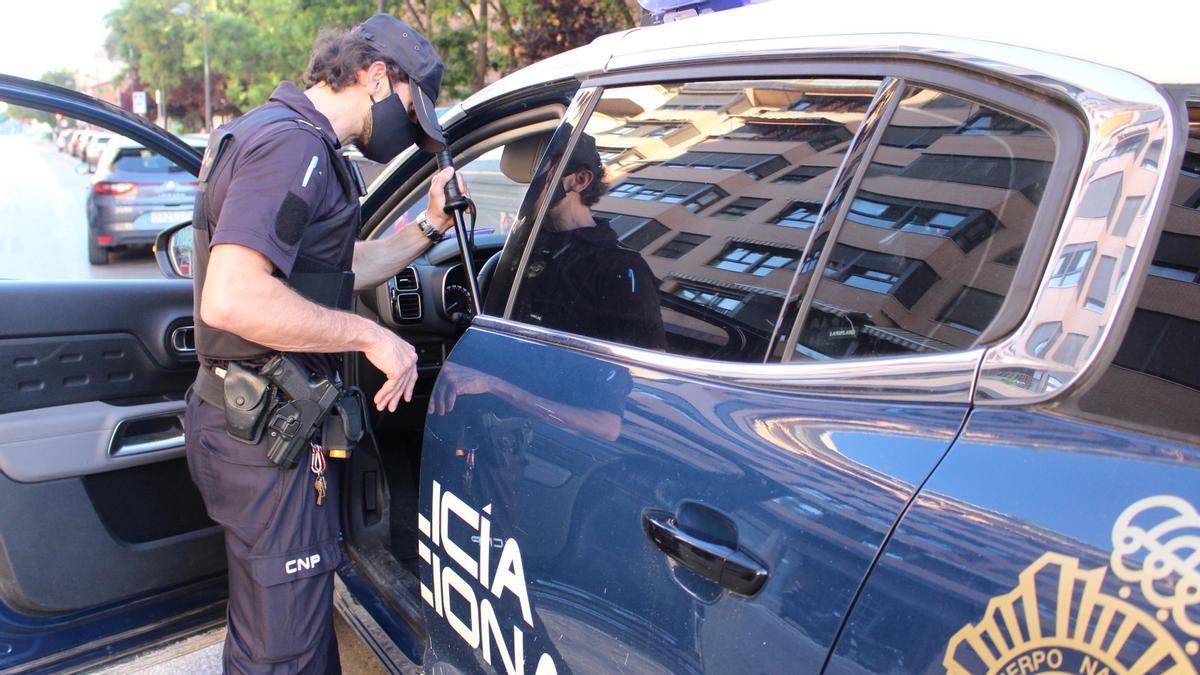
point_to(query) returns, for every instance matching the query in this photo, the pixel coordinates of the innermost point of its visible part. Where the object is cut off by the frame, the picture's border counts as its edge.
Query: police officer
(276, 262)
(580, 278)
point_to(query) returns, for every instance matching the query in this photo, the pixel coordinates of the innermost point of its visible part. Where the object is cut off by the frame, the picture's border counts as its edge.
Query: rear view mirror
(173, 249)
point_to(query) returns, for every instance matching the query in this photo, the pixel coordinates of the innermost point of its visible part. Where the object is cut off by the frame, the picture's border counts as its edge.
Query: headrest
(520, 158)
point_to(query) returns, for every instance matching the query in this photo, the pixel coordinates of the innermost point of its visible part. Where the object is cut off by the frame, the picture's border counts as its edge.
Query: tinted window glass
(731, 176)
(1153, 383)
(143, 161)
(928, 247)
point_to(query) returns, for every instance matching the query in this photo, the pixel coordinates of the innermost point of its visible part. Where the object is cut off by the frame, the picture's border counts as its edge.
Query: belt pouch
(249, 397)
(345, 427)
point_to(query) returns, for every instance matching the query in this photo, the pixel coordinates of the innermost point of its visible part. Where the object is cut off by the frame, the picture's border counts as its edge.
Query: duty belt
(210, 386)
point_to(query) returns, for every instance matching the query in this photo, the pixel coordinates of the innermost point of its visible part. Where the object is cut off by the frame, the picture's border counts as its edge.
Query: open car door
(105, 546)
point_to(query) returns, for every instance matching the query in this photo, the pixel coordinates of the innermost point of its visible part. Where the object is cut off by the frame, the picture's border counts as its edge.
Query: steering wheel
(485, 274)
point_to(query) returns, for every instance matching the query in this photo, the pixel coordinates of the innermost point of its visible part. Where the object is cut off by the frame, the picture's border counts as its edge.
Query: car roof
(1152, 48)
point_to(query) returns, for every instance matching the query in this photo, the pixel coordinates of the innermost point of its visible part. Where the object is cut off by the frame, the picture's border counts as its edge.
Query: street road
(43, 218)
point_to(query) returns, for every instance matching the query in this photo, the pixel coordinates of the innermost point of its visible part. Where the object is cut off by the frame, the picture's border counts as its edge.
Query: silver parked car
(95, 146)
(135, 193)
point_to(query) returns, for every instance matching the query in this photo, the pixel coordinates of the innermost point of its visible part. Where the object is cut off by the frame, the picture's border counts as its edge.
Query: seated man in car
(580, 278)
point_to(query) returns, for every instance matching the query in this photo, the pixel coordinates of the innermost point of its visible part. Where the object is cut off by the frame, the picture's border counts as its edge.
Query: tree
(254, 44)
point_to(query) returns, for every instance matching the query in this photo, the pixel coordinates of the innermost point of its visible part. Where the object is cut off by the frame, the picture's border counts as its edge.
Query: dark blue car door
(713, 502)
(1061, 536)
(105, 546)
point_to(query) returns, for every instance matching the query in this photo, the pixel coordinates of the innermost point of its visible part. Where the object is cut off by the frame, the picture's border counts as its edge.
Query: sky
(36, 37)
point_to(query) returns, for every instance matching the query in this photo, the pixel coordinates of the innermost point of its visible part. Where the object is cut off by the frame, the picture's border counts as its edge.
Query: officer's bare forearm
(600, 424)
(375, 261)
(242, 297)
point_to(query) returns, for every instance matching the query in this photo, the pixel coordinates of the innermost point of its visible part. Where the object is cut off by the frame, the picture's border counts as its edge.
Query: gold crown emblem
(1058, 619)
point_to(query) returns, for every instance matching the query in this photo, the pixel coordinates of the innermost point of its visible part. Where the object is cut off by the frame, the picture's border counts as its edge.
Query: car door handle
(720, 564)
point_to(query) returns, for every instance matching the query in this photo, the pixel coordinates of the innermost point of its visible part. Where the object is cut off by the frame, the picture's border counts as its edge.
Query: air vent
(406, 280)
(406, 307)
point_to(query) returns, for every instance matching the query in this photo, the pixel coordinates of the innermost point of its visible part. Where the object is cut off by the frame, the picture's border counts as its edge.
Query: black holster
(249, 400)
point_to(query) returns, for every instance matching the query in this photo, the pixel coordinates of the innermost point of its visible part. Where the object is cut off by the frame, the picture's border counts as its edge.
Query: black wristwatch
(432, 233)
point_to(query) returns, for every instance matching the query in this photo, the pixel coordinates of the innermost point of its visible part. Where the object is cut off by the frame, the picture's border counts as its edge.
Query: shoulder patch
(291, 219)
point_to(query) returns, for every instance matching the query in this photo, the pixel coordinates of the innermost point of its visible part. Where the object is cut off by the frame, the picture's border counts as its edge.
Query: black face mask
(391, 130)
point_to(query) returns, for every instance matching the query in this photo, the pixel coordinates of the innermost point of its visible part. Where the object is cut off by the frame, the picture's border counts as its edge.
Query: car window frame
(944, 377)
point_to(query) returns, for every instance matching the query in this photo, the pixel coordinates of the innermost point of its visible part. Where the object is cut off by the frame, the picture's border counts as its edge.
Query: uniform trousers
(282, 548)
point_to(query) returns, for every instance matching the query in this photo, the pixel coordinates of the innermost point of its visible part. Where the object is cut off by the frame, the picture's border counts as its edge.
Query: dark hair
(597, 188)
(339, 54)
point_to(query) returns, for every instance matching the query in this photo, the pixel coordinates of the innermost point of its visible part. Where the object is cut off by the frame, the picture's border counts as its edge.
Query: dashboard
(430, 296)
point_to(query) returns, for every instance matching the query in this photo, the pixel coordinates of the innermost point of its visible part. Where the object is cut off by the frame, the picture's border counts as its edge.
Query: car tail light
(104, 239)
(106, 188)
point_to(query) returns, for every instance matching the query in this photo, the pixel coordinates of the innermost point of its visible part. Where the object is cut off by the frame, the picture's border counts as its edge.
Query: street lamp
(185, 9)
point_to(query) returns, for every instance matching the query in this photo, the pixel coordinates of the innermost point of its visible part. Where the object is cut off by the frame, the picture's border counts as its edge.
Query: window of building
(1027, 176)
(802, 174)
(1150, 161)
(634, 231)
(757, 166)
(802, 215)
(972, 309)
(713, 101)
(914, 138)
(693, 196)
(831, 104)
(644, 129)
(739, 208)
(1099, 196)
(1072, 265)
(680, 245)
(1177, 257)
(905, 278)
(1068, 352)
(1129, 211)
(994, 123)
(819, 136)
(710, 298)
(755, 259)
(1011, 257)
(923, 259)
(966, 226)
(1043, 338)
(1101, 286)
(1131, 144)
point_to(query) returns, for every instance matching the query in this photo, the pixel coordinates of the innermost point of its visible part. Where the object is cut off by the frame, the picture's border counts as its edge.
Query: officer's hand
(434, 215)
(454, 381)
(398, 361)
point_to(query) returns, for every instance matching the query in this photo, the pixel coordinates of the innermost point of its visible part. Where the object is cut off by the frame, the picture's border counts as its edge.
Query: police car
(930, 289)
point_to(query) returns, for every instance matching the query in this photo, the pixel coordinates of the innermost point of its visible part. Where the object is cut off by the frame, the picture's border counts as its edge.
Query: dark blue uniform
(270, 182)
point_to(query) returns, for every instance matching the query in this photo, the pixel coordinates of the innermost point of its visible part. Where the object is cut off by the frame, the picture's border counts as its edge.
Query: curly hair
(339, 54)
(597, 188)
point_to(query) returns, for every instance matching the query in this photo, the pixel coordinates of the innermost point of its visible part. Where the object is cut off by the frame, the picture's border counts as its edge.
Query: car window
(141, 160)
(1153, 382)
(496, 196)
(78, 203)
(689, 232)
(927, 251)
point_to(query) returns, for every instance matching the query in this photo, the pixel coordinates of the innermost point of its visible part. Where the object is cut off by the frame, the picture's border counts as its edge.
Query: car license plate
(169, 217)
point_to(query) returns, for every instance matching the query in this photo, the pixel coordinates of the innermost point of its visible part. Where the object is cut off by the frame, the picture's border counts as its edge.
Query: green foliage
(253, 44)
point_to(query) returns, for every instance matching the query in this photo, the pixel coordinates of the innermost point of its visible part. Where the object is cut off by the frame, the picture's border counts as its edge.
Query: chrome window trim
(941, 378)
(1039, 378)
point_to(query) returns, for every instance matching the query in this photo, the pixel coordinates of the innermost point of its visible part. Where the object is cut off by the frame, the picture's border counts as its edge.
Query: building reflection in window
(929, 245)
